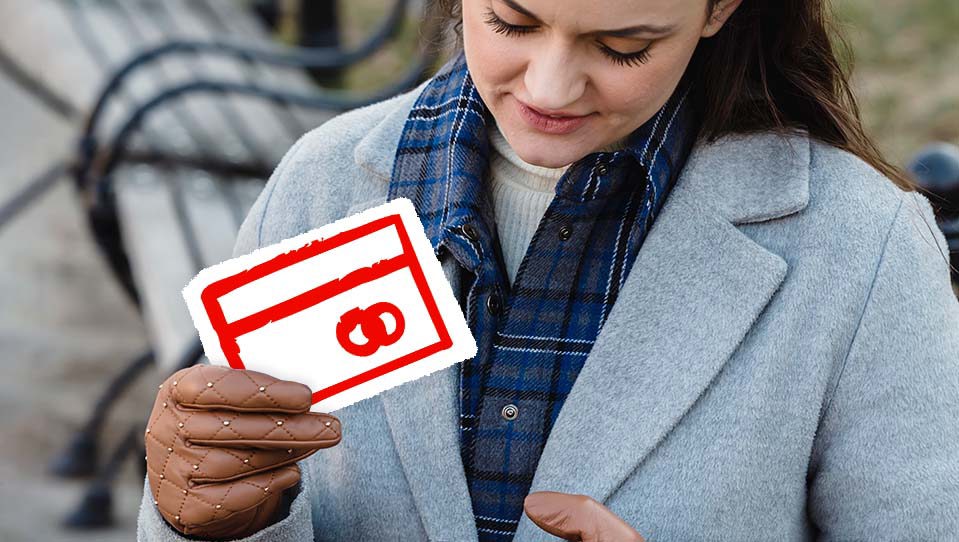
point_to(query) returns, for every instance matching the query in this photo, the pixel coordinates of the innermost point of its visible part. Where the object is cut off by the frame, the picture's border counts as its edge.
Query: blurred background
(136, 133)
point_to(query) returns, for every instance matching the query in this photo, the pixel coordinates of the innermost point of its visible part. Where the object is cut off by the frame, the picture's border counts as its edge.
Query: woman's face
(561, 57)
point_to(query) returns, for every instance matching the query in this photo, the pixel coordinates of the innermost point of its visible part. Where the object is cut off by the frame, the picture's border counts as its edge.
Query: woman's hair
(773, 66)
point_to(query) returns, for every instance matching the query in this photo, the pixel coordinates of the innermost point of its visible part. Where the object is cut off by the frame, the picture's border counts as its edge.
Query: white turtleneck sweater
(521, 192)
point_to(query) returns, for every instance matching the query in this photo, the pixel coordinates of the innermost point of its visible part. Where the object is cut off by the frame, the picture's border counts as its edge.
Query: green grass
(906, 70)
(360, 19)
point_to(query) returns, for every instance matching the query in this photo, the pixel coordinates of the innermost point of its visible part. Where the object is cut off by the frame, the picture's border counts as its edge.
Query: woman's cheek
(628, 92)
(645, 87)
(493, 62)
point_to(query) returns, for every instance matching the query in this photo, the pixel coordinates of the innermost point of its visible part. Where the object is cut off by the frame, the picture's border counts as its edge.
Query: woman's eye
(626, 59)
(623, 59)
(501, 26)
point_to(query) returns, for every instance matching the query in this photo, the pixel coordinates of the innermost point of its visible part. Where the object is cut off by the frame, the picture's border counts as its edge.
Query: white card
(350, 309)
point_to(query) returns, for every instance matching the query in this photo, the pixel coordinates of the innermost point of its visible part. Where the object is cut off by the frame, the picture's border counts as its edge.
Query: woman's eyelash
(501, 26)
(623, 59)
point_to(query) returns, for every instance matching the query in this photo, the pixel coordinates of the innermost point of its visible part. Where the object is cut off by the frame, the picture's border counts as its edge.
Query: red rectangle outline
(229, 332)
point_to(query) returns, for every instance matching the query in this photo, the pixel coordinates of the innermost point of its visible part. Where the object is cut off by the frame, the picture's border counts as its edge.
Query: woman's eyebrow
(616, 33)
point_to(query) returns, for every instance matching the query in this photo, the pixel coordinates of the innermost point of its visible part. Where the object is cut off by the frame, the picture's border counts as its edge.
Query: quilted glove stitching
(209, 504)
(280, 427)
(273, 477)
(240, 459)
(225, 426)
(250, 469)
(223, 500)
(254, 394)
(157, 490)
(183, 491)
(264, 392)
(209, 388)
(214, 390)
(186, 496)
(249, 483)
(166, 460)
(160, 481)
(209, 450)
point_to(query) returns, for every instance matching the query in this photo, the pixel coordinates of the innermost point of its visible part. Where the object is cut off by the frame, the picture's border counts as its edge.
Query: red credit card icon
(367, 303)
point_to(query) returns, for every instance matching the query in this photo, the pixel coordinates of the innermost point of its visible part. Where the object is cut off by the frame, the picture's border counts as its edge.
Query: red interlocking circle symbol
(371, 324)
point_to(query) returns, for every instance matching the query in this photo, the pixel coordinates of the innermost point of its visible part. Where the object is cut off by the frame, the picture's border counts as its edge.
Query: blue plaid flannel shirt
(534, 335)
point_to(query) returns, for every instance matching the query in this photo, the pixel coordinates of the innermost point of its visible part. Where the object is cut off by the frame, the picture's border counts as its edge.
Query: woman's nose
(553, 79)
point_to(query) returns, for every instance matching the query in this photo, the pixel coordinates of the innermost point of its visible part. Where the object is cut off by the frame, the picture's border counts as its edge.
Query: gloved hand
(222, 446)
(577, 517)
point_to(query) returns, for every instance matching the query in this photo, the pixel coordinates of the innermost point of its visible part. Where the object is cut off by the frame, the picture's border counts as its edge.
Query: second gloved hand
(577, 517)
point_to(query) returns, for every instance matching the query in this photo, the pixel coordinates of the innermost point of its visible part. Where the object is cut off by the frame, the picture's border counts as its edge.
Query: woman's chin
(543, 154)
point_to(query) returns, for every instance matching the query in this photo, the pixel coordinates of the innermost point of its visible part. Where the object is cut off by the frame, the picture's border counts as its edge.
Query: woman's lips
(550, 125)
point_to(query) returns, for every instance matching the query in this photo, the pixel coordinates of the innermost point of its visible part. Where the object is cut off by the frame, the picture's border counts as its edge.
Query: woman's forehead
(592, 15)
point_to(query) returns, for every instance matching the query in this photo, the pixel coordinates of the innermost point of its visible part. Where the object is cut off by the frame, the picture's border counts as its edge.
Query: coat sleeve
(885, 462)
(298, 524)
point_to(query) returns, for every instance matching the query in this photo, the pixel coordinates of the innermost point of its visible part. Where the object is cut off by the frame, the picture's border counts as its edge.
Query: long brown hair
(772, 67)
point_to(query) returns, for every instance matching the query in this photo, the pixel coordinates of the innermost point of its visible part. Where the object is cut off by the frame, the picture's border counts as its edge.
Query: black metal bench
(936, 170)
(195, 106)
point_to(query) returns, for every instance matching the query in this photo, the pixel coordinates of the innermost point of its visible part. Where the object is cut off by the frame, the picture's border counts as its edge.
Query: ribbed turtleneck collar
(539, 178)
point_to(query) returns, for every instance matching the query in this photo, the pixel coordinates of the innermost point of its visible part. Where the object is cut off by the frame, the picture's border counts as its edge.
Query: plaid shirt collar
(449, 123)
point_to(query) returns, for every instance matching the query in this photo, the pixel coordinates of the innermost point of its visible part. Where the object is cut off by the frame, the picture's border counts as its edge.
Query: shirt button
(493, 304)
(470, 232)
(510, 412)
(601, 169)
(565, 231)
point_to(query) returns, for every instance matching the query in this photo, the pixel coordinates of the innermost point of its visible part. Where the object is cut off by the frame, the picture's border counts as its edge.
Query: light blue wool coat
(782, 362)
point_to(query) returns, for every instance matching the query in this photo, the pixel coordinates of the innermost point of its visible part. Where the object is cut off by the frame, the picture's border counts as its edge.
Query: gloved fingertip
(287, 476)
(539, 499)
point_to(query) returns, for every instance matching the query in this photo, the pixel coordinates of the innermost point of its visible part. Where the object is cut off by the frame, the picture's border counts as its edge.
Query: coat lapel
(423, 414)
(696, 288)
(424, 419)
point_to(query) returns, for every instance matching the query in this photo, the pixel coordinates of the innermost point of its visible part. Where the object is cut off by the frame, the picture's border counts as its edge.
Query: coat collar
(695, 261)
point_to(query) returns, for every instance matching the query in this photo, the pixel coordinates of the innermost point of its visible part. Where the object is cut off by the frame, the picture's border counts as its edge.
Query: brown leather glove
(577, 517)
(222, 446)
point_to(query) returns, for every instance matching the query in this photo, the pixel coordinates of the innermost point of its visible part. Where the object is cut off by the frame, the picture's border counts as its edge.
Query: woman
(778, 362)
